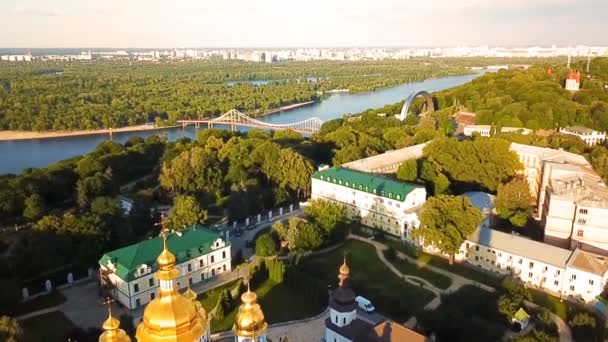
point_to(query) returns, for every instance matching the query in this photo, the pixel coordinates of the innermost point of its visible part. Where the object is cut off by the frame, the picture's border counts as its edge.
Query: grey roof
(524, 247)
(589, 262)
(389, 159)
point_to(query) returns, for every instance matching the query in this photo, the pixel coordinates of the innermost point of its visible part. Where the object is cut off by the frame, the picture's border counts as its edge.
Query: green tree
(582, 319)
(265, 245)
(445, 222)
(308, 238)
(10, 330)
(186, 212)
(486, 162)
(331, 217)
(514, 202)
(193, 171)
(34, 207)
(408, 171)
(295, 172)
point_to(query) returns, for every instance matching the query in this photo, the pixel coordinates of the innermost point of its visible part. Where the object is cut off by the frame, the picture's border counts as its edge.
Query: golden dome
(190, 294)
(193, 296)
(249, 321)
(166, 263)
(171, 316)
(344, 272)
(112, 331)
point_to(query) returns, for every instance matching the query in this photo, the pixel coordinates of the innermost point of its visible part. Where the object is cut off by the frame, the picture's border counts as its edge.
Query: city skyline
(271, 23)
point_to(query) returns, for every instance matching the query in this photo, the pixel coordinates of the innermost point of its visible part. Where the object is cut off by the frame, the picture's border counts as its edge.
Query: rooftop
(582, 188)
(464, 118)
(589, 262)
(193, 242)
(389, 331)
(549, 154)
(390, 159)
(518, 245)
(371, 183)
(579, 130)
(482, 200)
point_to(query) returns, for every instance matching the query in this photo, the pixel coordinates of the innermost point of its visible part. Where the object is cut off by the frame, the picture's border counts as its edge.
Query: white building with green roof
(379, 202)
(129, 271)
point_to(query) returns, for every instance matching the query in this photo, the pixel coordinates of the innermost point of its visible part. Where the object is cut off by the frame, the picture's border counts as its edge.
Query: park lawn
(279, 302)
(469, 314)
(54, 326)
(406, 267)
(391, 295)
(42, 302)
(462, 269)
(209, 298)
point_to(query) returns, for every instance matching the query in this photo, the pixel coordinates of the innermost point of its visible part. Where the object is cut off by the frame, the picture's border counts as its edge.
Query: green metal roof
(521, 315)
(194, 242)
(367, 182)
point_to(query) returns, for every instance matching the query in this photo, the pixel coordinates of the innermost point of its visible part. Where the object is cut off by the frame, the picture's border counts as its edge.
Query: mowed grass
(462, 269)
(391, 295)
(54, 326)
(279, 302)
(408, 268)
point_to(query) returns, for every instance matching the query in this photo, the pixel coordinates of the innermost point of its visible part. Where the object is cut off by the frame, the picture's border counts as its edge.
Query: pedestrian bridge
(235, 118)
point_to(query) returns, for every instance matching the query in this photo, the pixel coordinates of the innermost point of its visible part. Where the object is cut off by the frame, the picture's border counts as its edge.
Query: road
(240, 242)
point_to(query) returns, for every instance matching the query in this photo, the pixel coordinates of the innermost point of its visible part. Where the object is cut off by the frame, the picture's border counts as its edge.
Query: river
(18, 155)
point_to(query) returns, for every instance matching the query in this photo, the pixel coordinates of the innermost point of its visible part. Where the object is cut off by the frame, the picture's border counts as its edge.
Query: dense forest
(535, 99)
(102, 94)
(45, 96)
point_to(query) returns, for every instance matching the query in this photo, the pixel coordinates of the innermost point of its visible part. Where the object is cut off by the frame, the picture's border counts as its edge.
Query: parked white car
(365, 304)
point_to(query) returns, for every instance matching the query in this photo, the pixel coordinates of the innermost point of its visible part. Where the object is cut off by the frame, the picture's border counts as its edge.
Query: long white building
(379, 202)
(578, 274)
(559, 271)
(129, 271)
(589, 136)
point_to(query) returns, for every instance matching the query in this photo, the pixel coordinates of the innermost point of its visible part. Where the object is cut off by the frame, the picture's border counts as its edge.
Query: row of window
(151, 282)
(360, 187)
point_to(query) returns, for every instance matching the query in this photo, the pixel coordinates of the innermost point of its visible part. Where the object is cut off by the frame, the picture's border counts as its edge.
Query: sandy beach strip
(27, 135)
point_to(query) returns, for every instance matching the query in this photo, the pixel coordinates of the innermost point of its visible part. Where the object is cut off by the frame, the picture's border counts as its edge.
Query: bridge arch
(430, 105)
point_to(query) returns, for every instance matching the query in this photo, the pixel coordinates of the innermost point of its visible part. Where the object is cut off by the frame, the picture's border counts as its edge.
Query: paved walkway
(38, 313)
(458, 281)
(565, 334)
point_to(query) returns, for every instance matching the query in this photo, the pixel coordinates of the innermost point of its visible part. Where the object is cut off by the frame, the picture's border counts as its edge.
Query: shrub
(265, 245)
(390, 254)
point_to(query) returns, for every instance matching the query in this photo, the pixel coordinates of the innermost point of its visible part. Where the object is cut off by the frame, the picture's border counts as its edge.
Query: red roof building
(573, 81)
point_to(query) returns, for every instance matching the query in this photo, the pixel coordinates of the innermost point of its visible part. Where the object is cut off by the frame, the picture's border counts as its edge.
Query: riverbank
(288, 107)
(30, 135)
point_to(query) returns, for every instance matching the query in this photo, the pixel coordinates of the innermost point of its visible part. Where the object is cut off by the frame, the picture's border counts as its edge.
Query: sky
(295, 23)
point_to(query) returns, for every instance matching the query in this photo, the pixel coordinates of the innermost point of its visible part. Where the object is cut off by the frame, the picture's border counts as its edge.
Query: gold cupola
(193, 296)
(344, 273)
(170, 316)
(249, 321)
(112, 331)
